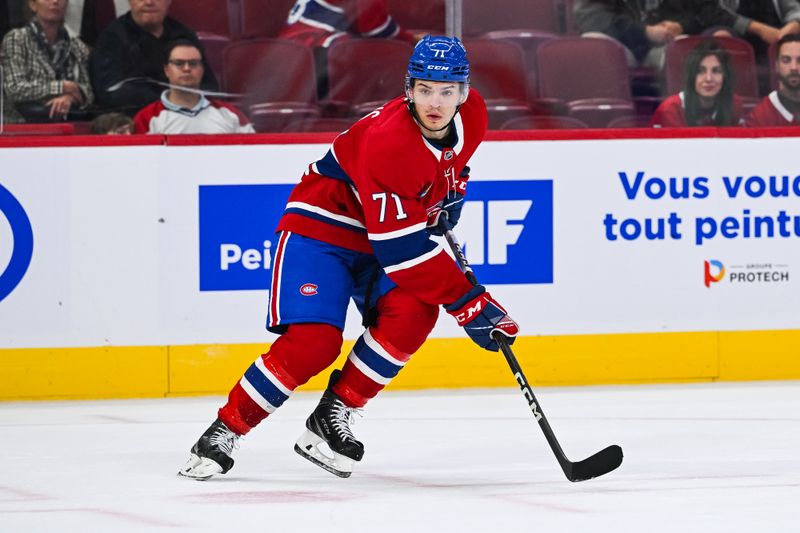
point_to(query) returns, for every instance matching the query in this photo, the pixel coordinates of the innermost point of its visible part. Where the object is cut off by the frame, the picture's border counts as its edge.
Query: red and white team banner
(167, 245)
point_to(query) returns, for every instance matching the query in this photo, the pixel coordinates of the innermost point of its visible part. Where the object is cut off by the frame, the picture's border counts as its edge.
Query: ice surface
(710, 458)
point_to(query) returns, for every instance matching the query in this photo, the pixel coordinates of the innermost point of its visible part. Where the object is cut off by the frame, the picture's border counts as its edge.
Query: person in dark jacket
(133, 46)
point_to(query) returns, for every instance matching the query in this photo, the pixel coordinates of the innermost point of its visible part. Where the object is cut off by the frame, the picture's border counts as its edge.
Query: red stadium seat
(213, 47)
(365, 73)
(631, 121)
(743, 62)
(529, 40)
(210, 16)
(427, 16)
(589, 75)
(320, 124)
(497, 71)
(481, 16)
(269, 70)
(275, 117)
(543, 122)
(60, 128)
(275, 78)
(262, 18)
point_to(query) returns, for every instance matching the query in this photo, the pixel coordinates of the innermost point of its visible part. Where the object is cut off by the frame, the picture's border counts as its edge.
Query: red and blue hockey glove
(449, 211)
(480, 316)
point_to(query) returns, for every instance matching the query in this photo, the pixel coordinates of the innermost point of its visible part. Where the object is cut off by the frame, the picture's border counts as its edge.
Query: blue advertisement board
(506, 230)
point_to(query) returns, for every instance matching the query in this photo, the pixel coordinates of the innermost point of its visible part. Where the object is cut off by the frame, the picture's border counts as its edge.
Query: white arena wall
(134, 268)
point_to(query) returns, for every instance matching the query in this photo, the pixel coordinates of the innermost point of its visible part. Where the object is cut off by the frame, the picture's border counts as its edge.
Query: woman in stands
(707, 98)
(46, 75)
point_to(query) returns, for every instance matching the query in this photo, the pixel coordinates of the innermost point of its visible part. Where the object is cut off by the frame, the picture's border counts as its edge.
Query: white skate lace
(226, 441)
(343, 416)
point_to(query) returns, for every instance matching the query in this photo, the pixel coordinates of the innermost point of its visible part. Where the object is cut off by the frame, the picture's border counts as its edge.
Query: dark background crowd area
(527, 58)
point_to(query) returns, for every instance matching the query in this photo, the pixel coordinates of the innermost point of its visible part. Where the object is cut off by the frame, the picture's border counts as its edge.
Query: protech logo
(506, 228)
(748, 273)
(18, 249)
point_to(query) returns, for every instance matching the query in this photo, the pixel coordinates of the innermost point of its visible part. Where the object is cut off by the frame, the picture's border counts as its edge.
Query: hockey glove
(480, 316)
(450, 207)
(449, 211)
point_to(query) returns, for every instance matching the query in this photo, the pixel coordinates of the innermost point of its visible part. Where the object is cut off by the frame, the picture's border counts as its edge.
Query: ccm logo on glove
(480, 316)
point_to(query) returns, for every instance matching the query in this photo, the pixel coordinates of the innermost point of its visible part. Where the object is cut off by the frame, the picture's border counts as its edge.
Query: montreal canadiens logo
(308, 289)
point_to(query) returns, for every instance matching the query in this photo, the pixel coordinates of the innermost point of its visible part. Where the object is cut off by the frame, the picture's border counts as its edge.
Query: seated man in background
(645, 26)
(188, 111)
(134, 46)
(763, 22)
(782, 107)
(45, 71)
(112, 124)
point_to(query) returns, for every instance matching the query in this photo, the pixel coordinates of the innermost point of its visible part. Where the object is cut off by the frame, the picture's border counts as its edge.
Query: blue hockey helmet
(439, 59)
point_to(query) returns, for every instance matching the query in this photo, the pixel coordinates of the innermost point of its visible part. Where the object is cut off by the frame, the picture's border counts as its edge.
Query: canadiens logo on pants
(308, 289)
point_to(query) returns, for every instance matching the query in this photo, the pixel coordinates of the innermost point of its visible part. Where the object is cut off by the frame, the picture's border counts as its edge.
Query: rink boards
(142, 270)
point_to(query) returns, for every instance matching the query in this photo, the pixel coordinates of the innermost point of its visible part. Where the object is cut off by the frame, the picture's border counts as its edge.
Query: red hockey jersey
(672, 114)
(771, 112)
(372, 190)
(317, 23)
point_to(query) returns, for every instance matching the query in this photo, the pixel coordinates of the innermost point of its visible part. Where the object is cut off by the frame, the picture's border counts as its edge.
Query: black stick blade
(598, 464)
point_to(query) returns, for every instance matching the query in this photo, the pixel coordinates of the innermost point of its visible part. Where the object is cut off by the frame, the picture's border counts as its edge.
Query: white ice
(698, 458)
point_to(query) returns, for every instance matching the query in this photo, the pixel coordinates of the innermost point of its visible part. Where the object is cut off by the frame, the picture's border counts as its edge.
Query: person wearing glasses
(133, 47)
(183, 108)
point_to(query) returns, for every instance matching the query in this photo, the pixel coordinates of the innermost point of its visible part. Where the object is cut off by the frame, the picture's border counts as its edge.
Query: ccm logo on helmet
(438, 67)
(308, 289)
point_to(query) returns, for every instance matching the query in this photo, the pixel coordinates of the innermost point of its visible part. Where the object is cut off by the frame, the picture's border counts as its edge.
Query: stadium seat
(269, 70)
(497, 71)
(631, 121)
(275, 78)
(365, 73)
(262, 18)
(482, 16)
(543, 122)
(275, 117)
(529, 41)
(742, 56)
(60, 128)
(427, 16)
(320, 124)
(210, 16)
(589, 75)
(213, 46)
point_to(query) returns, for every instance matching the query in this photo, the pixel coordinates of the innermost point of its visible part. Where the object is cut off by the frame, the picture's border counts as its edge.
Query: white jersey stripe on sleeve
(415, 261)
(397, 233)
(324, 212)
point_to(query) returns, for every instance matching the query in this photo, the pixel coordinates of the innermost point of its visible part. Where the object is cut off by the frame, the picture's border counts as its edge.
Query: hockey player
(358, 226)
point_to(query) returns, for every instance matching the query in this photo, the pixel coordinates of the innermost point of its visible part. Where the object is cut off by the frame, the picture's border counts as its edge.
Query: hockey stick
(598, 464)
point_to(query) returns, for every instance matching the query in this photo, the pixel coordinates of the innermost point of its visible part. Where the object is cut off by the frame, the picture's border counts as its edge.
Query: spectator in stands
(112, 124)
(319, 24)
(45, 71)
(764, 22)
(134, 46)
(183, 108)
(782, 107)
(707, 98)
(645, 26)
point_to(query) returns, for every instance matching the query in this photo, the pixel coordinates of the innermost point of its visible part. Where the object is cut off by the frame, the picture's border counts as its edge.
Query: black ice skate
(330, 424)
(211, 454)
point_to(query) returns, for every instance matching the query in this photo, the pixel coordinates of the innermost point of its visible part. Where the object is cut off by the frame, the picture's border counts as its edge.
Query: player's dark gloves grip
(480, 316)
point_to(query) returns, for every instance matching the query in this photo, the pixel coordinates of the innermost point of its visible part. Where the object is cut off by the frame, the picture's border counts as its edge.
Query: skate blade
(199, 468)
(308, 447)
